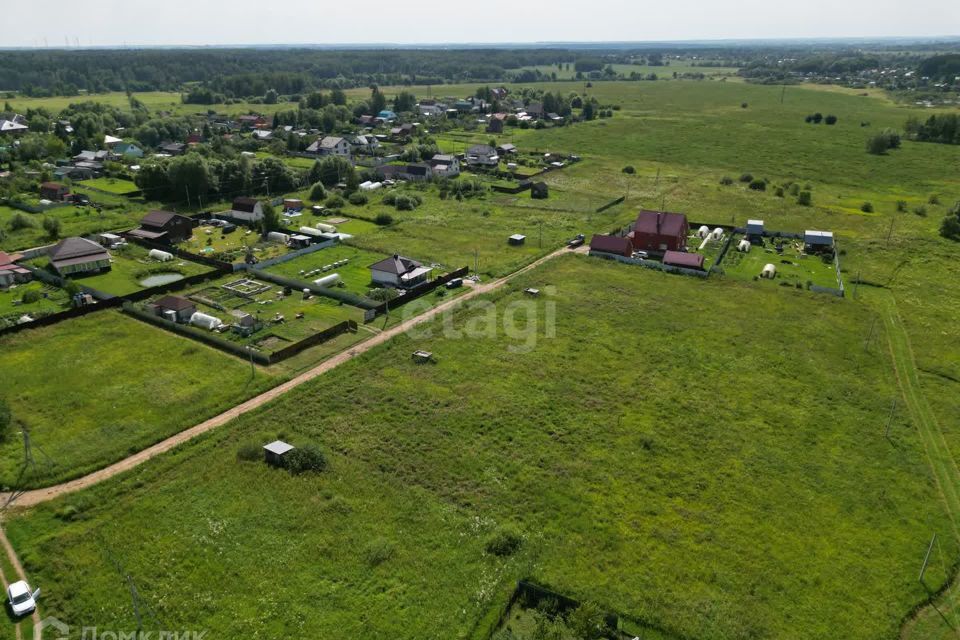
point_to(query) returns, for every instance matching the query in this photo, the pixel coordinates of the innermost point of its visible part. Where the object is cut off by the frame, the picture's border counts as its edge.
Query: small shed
(754, 227)
(703, 231)
(744, 246)
(717, 233)
(817, 240)
(517, 239)
(421, 357)
(769, 271)
(274, 452)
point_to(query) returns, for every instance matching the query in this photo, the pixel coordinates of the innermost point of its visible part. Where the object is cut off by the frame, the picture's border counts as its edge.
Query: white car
(22, 601)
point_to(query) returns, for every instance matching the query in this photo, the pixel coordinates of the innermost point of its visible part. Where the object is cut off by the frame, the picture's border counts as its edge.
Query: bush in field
(358, 198)
(880, 143)
(830, 120)
(404, 202)
(901, 206)
(587, 622)
(950, 228)
(933, 199)
(726, 181)
(384, 219)
(31, 296)
(866, 207)
(746, 177)
(379, 551)
(382, 294)
(921, 211)
(20, 221)
(758, 185)
(779, 192)
(249, 452)
(318, 192)
(334, 202)
(52, 227)
(305, 459)
(805, 199)
(505, 541)
(629, 170)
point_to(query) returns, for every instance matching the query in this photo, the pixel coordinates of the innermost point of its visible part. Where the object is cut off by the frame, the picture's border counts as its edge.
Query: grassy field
(74, 221)
(115, 186)
(94, 389)
(684, 477)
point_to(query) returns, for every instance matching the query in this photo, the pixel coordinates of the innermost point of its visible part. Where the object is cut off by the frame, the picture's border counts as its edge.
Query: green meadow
(712, 477)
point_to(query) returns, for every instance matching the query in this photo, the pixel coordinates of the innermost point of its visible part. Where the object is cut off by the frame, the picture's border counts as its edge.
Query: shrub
(933, 199)
(779, 192)
(30, 296)
(407, 202)
(794, 189)
(746, 177)
(901, 206)
(6, 422)
(20, 221)
(866, 207)
(384, 219)
(588, 622)
(744, 105)
(879, 143)
(830, 120)
(921, 211)
(358, 198)
(805, 199)
(726, 181)
(950, 228)
(540, 191)
(505, 541)
(629, 170)
(382, 294)
(52, 227)
(758, 185)
(307, 458)
(817, 118)
(334, 202)
(318, 192)
(249, 452)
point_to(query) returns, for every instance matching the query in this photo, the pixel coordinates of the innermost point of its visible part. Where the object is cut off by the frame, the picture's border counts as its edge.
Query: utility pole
(926, 558)
(187, 189)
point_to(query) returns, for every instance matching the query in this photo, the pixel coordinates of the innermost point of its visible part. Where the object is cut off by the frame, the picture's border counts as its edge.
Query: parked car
(640, 255)
(22, 600)
(576, 242)
(456, 282)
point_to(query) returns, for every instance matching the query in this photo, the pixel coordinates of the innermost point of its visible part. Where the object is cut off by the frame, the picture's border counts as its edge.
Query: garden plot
(280, 317)
(793, 266)
(34, 299)
(232, 246)
(355, 273)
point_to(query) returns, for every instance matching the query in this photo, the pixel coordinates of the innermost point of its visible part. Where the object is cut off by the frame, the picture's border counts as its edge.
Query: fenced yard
(355, 273)
(793, 266)
(48, 299)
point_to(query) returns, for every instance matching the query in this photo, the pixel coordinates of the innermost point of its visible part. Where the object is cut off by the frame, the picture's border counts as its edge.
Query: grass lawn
(94, 389)
(355, 274)
(677, 452)
(74, 221)
(12, 306)
(115, 186)
(131, 268)
(793, 266)
(231, 247)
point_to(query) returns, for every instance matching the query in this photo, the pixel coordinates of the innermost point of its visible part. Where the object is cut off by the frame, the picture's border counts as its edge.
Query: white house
(247, 209)
(445, 166)
(482, 155)
(330, 146)
(399, 272)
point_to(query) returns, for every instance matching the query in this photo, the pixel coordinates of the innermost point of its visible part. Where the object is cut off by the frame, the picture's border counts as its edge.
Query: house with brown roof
(397, 271)
(683, 259)
(73, 256)
(12, 273)
(173, 308)
(660, 231)
(54, 191)
(246, 210)
(164, 227)
(616, 245)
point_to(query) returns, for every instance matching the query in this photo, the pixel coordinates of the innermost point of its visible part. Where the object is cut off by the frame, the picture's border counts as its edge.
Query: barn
(660, 231)
(611, 244)
(683, 260)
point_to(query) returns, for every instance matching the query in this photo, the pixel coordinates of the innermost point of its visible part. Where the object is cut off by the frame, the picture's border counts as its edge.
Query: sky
(249, 22)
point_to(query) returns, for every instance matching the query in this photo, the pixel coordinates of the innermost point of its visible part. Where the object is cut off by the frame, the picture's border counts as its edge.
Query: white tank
(328, 281)
(206, 321)
(162, 256)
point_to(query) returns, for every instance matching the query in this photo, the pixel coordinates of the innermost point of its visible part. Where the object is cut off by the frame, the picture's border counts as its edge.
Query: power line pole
(926, 558)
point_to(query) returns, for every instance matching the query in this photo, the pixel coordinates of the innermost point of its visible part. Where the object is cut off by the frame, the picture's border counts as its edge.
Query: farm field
(95, 388)
(635, 465)
(132, 270)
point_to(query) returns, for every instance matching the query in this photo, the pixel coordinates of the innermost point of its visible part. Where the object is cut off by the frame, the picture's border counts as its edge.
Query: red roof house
(611, 244)
(660, 231)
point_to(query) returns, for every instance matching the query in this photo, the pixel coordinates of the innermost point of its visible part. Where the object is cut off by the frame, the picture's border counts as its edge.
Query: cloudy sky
(199, 22)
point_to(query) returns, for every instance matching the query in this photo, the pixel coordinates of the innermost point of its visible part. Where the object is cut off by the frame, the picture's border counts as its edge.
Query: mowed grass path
(94, 389)
(709, 456)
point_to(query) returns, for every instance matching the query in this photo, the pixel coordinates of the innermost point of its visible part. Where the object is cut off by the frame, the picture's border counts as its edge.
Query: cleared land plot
(96, 388)
(793, 266)
(355, 274)
(735, 430)
(231, 247)
(115, 186)
(13, 306)
(132, 270)
(74, 221)
(277, 313)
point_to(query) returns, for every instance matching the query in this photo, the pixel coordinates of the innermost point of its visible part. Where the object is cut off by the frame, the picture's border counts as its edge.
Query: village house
(660, 231)
(173, 308)
(54, 191)
(12, 273)
(399, 272)
(128, 150)
(496, 123)
(251, 121)
(403, 132)
(12, 128)
(91, 156)
(445, 166)
(430, 110)
(246, 210)
(365, 143)
(73, 256)
(683, 260)
(173, 148)
(817, 241)
(506, 149)
(330, 146)
(482, 155)
(164, 227)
